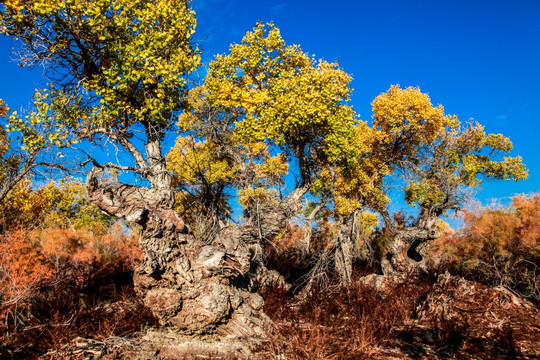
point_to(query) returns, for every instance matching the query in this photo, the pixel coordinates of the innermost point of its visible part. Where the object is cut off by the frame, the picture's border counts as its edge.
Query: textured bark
(260, 226)
(409, 243)
(407, 250)
(193, 286)
(344, 252)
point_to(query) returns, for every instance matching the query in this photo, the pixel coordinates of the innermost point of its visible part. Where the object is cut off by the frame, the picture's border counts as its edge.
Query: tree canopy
(265, 114)
(117, 69)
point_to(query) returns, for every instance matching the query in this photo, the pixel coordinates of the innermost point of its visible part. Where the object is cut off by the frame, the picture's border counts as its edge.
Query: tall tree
(268, 109)
(438, 160)
(279, 96)
(351, 187)
(118, 74)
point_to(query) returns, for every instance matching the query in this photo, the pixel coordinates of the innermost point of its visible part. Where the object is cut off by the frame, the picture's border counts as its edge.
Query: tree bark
(407, 249)
(343, 257)
(192, 286)
(259, 227)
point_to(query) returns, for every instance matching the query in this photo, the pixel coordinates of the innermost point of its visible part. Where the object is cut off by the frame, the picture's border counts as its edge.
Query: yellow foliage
(438, 156)
(136, 58)
(56, 205)
(276, 93)
(190, 161)
(407, 119)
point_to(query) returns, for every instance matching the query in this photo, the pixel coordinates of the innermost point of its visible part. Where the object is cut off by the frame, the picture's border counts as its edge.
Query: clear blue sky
(480, 59)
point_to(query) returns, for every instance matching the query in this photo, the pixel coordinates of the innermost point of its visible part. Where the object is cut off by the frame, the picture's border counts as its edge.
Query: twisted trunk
(263, 225)
(406, 251)
(194, 286)
(407, 248)
(190, 285)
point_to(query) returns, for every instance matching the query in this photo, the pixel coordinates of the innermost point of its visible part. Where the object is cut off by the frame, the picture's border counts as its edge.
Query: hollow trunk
(407, 250)
(409, 243)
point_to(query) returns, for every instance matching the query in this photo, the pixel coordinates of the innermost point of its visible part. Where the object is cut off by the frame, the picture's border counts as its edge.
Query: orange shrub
(34, 262)
(83, 246)
(22, 269)
(499, 246)
(528, 227)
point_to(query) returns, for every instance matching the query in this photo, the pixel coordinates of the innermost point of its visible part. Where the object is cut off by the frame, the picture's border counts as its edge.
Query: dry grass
(340, 322)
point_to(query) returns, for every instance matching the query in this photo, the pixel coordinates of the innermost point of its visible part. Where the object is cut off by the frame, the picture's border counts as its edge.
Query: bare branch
(122, 140)
(9, 183)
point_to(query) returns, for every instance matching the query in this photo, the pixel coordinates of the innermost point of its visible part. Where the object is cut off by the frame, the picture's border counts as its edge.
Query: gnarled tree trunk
(196, 287)
(407, 249)
(408, 244)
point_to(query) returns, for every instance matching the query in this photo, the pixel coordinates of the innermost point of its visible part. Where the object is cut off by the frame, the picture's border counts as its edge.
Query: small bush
(499, 247)
(58, 284)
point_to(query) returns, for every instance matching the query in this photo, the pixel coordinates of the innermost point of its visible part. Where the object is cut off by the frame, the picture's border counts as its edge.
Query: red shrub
(499, 246)
(58, 284)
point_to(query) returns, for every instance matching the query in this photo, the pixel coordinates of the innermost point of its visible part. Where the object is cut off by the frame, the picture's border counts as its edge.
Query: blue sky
(480, 59)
